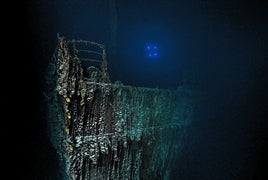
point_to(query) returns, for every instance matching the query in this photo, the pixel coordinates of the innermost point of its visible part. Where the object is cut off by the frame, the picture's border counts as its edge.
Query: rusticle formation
(105, 130)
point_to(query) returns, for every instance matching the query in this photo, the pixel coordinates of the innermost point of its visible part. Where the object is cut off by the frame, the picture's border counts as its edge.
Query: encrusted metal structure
(103, 130)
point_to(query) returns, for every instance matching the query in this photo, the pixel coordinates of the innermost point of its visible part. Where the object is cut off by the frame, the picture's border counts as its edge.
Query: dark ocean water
(218, 48)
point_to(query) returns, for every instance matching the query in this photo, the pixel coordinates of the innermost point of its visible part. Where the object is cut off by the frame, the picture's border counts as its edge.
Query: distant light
(152, 51)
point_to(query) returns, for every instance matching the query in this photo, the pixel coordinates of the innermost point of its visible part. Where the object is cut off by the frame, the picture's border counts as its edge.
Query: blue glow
(152, 51)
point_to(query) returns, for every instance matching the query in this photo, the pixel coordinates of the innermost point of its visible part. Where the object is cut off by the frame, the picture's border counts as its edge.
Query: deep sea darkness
(218, 48)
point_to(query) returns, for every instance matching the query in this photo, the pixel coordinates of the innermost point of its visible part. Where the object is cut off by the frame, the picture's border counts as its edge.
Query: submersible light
(152, 51)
